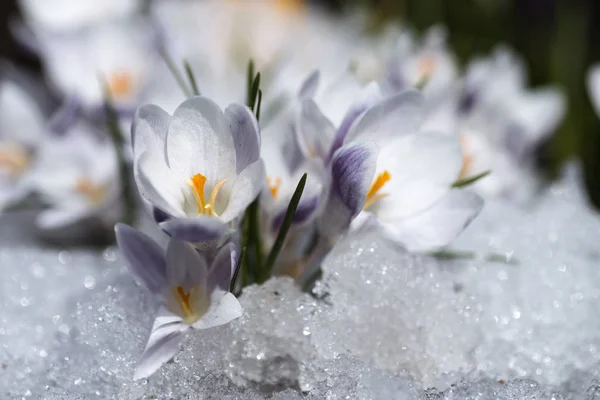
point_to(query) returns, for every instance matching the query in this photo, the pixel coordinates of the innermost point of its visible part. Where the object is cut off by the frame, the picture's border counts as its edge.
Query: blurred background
(559, 39)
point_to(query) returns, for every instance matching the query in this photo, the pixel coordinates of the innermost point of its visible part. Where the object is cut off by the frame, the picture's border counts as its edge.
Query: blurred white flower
(21, 133)
(71, 15)
(501, 122)
(122, 54)
(593, 84)
(193, 289)
(76, 175)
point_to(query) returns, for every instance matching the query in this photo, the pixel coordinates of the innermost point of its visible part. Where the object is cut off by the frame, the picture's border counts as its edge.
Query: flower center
(289, 7)
(373, 195)
(427, 67)
(184, 299)
(274, 186)
(120, 84)
(14, 159)
(197, 183)
(94, 193)
(468, 159)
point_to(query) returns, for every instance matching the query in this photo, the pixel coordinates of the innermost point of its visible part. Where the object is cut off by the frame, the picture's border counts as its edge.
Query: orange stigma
(197, 183)
(120, 84)
(467, 161)
(378, 183)
(95, 194)
(274, 186)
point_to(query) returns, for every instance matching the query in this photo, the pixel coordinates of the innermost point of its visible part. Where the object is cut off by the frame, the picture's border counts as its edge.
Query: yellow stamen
(120, 84)
(183, 299)
(378, 183)
(14, 159)
(290, 7)
(197, 183)
(274, 186)
(95, 194)
(468, 159)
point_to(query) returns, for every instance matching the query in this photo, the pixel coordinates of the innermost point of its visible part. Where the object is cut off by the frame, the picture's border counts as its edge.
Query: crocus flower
(501, 123)
(200, 166)
(120, 54)
(76, 175)
(399, 178)
(428, 64)
(593, 83)
(194, 291)
(72, 15)
(21, 133)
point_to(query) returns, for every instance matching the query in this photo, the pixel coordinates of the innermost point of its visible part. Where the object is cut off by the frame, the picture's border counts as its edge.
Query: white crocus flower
(21, 132)
(122, 54)
(428, 64)
(593, 84)
(399, 178)
(501, 123)
(73, 15)
(76, 175)
(201, 167)
(194, 291)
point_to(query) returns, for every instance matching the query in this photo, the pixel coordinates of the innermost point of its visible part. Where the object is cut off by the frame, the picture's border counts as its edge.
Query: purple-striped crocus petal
(304, 211)
(437, 226)
(390, 119)
(145, 258)
(352, 171)
(246, 135)
(198, 229)
(149, 130)
(309, 86)
(165, 337)
(221, 270)
(344, 128)
(65, 117)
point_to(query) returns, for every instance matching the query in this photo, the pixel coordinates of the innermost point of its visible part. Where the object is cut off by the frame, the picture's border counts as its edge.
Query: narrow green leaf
(254, 91)
(255, 238)
(258, 105)
(285, 226)
(469, 181)
(249, 82)
(175, 72)
(469, 255)
(192, 78)
(240, 263)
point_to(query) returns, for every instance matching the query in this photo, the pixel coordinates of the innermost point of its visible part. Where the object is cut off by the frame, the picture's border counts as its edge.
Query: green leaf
(469, 181)
(240, 263)
(254, 91)
(469, 255)
(192, 78)
(249, 82)
(175, 72)
(285, 226)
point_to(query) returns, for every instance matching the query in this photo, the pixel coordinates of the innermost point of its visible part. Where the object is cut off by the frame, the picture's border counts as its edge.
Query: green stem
(175, 72)
(255, 239)
(192, 78)
(114, 131)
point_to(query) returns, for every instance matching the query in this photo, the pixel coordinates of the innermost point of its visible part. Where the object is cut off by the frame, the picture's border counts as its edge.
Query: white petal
(314, 132)
(228, 309)
(149, 130)
(437, 226)
(422, 169)
(540, 111)
(593, 82)
(390, 119)
(159, 185)
(163, 344)
(200, 142)
(185, 267)
(246, 188)
(246, 135)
